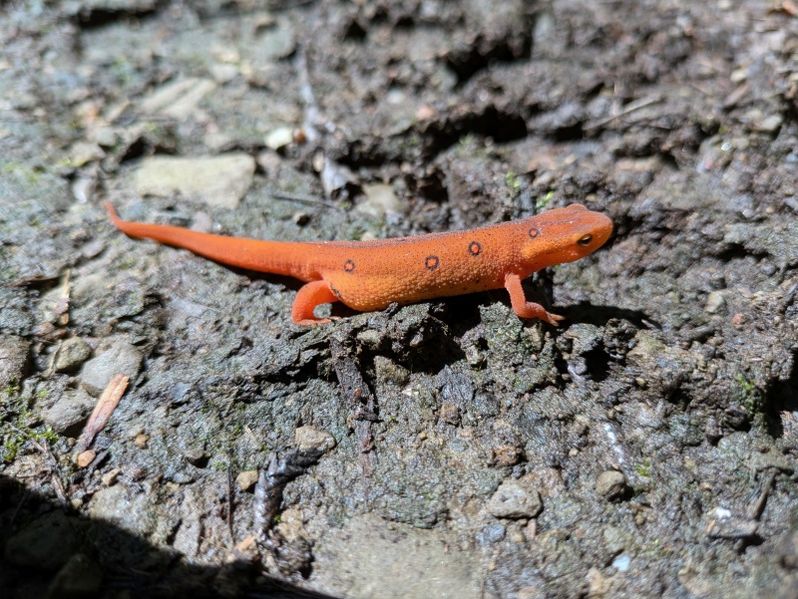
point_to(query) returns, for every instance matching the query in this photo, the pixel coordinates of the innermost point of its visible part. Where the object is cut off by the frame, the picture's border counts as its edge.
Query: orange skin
(369, 275)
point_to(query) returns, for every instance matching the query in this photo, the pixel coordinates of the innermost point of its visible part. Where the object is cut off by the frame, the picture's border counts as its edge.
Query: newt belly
(369, 275)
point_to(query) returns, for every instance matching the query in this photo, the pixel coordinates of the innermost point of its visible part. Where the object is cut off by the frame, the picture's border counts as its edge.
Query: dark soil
(646, 448)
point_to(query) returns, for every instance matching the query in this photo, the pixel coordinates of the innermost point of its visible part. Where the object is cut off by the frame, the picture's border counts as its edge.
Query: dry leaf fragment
(102, 411)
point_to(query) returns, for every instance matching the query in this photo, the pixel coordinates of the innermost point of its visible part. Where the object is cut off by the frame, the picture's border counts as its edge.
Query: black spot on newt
(534, 231)
(349, 265)
(432, 263)
(474, 248)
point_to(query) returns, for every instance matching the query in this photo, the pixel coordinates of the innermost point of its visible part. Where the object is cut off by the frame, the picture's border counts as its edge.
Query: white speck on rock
(622, 563)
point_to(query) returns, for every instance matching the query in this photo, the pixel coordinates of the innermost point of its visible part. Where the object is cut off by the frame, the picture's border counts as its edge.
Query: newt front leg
(522, 307)
(308, 297)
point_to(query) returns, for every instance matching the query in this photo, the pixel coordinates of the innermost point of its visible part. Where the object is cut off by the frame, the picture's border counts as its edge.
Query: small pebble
(515, 499)
(73, 352)
(611, 485)
(69, 412)
(493, 533)
(84, 458)
(247, 479)
(279, 138)
(122, 358)
(769, 124)
(309, 438)
(715, 302)
(109, 478)
(507, 455)
(450, 413)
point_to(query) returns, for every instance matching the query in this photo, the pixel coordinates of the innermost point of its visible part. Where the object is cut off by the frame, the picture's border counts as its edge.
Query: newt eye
(585, 239)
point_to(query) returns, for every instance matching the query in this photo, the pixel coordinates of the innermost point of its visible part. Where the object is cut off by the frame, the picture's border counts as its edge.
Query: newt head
(563, 235)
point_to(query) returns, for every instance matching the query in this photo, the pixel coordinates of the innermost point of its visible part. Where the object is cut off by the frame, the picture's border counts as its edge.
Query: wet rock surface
(647, 447)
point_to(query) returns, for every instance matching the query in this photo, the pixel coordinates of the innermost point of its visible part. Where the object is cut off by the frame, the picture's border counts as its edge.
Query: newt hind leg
(307, 298)
(523, 308)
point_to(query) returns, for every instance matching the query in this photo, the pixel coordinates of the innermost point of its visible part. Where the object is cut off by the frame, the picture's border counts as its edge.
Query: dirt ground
(646, 448)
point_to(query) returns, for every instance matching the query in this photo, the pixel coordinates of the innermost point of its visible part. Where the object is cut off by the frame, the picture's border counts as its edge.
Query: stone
(109, 478)
(515, 499)
(84, 458)
(247, 479)
(769, 124)
(84, 152)
(215, 180)
(450, 413)
(73, 352)
(14, 354)
(120, 358)
(611, 485)
(492, 533)
(715, 302)
(380, 199)
(309, 438)
(69, 412)
(279, 138)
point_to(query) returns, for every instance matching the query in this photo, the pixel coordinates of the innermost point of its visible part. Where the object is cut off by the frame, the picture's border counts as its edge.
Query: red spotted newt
(370, 275)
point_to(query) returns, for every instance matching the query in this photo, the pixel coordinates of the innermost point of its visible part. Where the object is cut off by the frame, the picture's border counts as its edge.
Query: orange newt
(370, 275)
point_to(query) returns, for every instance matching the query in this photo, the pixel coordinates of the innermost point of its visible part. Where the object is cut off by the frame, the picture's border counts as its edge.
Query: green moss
(544, 202)
(23, 173)
(513, 182)
(748, 394)
(16, 419)
(643, 469)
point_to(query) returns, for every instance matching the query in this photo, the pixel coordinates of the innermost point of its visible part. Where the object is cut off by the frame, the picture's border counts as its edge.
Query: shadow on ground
(49, 550)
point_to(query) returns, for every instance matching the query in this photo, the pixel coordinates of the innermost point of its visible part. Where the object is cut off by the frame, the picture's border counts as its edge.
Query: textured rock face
(645, 447)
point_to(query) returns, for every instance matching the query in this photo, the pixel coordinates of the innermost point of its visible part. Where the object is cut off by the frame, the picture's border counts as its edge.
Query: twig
(630, 108)
(302, 199)
(271, 484)
(756, 509)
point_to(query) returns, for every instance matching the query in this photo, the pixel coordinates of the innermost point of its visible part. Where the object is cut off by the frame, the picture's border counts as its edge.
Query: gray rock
(121, 358)
(611, 485)
(69, 412)
(124, 508)
(371, 557)
(769, 124)
(73, 353)
(14, 352)
(515, 499)
(45, 544)
(492, 533)
(215, 180)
